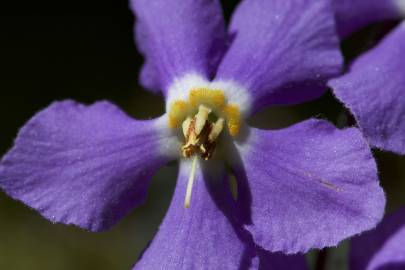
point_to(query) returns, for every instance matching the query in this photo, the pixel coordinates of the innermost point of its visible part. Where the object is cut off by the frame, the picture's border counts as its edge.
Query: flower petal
(311, 186)
(374, 90)
(203, 236)
(352, 15)
(83, 165)
(382, 248)
(178, 37)
(283, 50)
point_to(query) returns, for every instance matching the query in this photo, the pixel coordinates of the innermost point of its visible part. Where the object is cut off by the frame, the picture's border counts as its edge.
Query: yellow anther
(201, 118)
(216, 130)
(186, 126)
(233, 118)
(204, 99)
(211, 97)
(178, 111)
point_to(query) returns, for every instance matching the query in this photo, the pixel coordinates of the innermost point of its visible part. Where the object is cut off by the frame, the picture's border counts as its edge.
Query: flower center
(214, 100)
(201, 133)
(202, 118)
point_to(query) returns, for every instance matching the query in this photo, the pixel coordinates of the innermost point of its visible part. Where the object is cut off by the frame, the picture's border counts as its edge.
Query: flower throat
(202, 116)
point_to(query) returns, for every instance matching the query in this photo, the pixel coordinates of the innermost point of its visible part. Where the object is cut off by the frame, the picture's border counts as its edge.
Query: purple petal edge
(374, 91)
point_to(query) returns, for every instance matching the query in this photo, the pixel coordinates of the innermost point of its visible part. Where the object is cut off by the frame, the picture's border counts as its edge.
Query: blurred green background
(85, 51)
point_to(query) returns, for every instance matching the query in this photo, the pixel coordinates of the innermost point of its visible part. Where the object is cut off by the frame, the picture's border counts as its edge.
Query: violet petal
(311, 186)
(205, 235)
(283, 51)
(374, 90)
(178, 37)
(82, 165)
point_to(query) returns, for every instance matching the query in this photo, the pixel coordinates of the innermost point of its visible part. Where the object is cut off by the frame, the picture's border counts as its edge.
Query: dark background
(84, 50)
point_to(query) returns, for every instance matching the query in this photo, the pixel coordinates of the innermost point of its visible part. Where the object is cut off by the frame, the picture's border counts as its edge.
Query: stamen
(201, 133)
(233, 118)
(201, 118)
(177, 112)
(186, 126)
(216, 130)
(211, 97)
(190, 183)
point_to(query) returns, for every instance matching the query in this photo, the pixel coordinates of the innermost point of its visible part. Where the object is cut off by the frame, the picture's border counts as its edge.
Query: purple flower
(374, 87)
(382, 248)
(307, 186)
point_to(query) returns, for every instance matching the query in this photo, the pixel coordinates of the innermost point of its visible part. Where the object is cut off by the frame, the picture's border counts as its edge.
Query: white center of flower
(199, 111)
